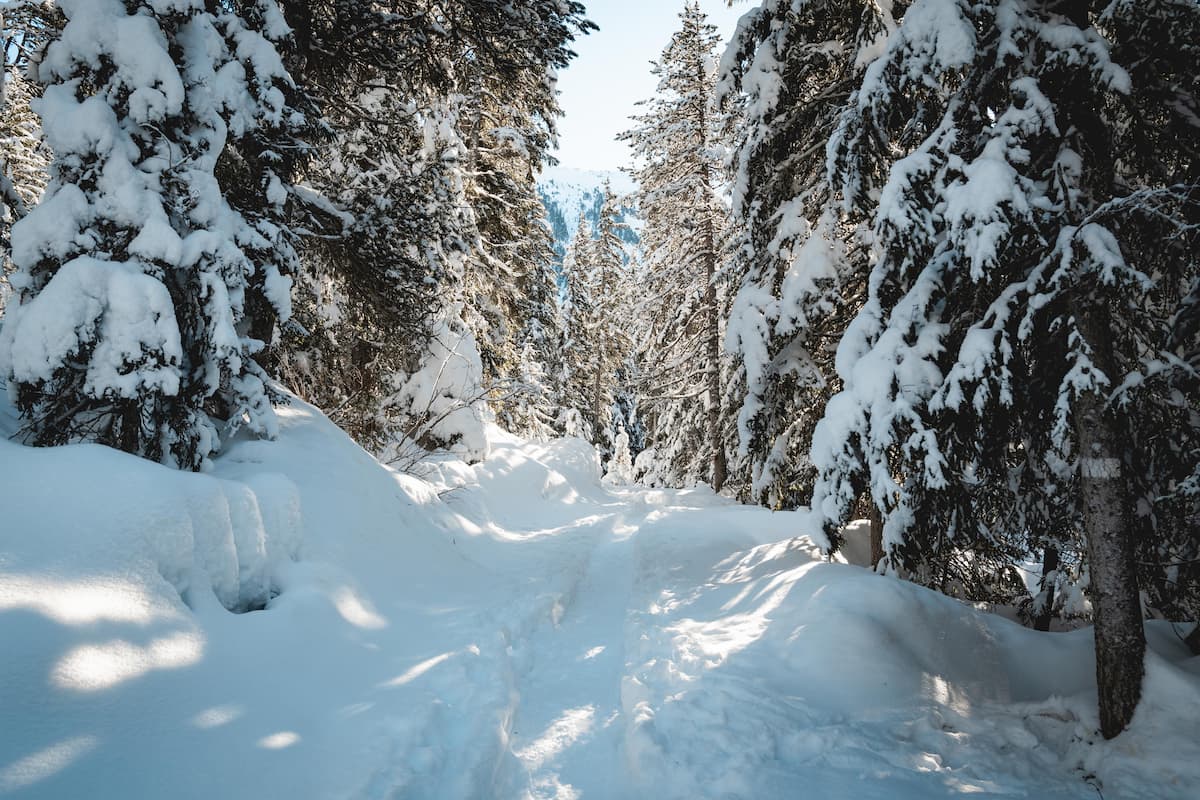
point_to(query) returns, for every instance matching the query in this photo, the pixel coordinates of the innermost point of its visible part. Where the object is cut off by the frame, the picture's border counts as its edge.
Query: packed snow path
(510, 630)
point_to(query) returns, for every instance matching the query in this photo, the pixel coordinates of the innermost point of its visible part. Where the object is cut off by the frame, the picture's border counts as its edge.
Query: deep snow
(510, 630)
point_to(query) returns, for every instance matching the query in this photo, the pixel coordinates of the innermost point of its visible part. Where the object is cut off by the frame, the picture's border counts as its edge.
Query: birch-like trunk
(716, 440)
(712, 322)
(1104, 503)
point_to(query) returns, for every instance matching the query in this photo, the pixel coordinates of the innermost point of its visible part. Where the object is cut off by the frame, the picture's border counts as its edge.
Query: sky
(612, 72)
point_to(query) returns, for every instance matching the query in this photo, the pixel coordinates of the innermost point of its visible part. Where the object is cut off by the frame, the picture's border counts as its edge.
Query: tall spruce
(383, 264)
(146, 282)
(386, 254)
(797, 267)
(611, 340)
(532, 405)
(577, 321)
(509, 127)
(596, 339)
(677, 149)
(1031, 266)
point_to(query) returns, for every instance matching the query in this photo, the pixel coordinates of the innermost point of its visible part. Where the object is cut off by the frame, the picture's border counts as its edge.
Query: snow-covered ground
(510, 630)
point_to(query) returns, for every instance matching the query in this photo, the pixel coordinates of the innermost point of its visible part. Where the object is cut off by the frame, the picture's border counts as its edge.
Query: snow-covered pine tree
(375, 287)
(269, 142)
(504, 150)
(798, 268)
(137, 278)
(577, 320)
(388, 225)
(596, 340)
(536, 394)
(1023, 303)
(441, 114)
(1158, 222)
(609, 335)
(676, 145)
(508, 125)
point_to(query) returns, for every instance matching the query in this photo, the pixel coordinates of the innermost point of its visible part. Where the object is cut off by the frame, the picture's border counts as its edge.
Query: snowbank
(778, 670)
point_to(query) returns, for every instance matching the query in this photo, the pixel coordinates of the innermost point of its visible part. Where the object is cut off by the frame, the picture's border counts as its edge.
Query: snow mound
(776, 669)
(126, 675)
(85, 511)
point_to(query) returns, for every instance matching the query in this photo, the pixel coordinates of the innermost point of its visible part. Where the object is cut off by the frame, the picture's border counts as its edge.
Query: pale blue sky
(612, 72)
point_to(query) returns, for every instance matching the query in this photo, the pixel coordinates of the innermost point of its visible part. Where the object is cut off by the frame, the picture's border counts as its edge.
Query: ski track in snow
(566, 732)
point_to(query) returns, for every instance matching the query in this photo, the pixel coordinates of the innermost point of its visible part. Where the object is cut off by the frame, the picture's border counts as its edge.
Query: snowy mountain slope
(569, 195)
(573, 191)
(510, 630)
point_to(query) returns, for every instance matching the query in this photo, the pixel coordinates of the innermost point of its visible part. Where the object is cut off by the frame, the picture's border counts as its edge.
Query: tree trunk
(717, 441)
(263, 318)
(1046, 612)
(596, 411)
(1193, 641)
(1104, 493)
(876, 536)
(720, 467)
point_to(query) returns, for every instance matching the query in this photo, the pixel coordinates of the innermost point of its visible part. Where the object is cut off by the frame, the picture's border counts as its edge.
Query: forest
(916, 279)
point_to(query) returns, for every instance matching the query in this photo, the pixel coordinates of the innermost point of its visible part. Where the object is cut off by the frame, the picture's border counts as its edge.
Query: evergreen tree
(509, 128)
(389, 227)
(147, 272)
(441, 115)
(798, 268)
(676, 144)
(578, 319)
(396, 249)
(1031, 223)
(1156, 213)
(596, 340)
(609, 334)
(532, 406)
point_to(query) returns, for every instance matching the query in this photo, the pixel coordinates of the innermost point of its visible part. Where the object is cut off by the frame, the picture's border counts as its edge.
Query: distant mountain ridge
(569, 195)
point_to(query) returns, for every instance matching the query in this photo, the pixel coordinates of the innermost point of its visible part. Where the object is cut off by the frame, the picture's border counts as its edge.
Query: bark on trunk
(716, 440)
(1120, 637)
(1193, 641)
(596, 404)
(876, 536)
(712, 322)
(1046, 612)
(262, 327)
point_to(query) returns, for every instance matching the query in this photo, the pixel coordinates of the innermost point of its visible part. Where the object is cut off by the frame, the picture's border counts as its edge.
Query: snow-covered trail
(511, 630)
(567, 728)
(590, 561)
